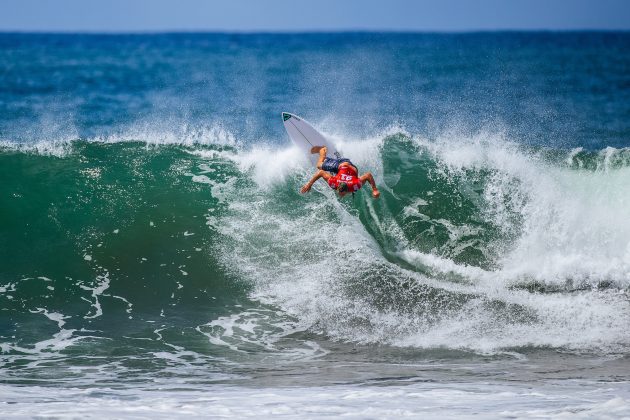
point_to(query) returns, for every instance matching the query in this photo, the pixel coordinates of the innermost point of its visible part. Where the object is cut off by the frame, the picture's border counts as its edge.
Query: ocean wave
(477, 243)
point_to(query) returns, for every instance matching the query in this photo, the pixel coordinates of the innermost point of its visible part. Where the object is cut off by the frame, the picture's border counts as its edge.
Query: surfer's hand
(306, 188)
(376, 193)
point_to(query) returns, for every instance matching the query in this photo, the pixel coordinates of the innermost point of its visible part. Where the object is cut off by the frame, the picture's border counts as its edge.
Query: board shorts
(332, 165)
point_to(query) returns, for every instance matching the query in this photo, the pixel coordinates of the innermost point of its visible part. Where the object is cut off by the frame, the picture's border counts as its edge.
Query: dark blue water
(557, 89)
(156, 256)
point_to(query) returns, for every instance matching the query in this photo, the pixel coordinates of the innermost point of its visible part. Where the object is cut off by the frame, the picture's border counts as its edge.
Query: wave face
(152, 230)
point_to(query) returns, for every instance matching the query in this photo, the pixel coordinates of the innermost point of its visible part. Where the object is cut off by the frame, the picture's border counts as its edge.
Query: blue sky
(318, 15)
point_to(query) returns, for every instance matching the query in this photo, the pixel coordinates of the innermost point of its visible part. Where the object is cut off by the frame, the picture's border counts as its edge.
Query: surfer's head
(342, 189)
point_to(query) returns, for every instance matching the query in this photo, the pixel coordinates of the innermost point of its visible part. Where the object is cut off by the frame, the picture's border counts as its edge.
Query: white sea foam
(261, 330)
(168, 132)
(426, 400)
(101, 284)
(59, 341)
(271, 166)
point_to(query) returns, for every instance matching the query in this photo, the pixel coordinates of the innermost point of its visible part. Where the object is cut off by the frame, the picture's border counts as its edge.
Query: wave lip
(149, 134)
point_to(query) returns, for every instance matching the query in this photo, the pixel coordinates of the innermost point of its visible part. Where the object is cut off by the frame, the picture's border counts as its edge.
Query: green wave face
(110, 239)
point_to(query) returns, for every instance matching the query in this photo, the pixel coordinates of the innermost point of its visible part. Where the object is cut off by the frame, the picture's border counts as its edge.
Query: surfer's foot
(316, 149)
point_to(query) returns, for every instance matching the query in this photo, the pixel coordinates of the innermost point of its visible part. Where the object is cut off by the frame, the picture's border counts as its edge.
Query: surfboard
(305, 136)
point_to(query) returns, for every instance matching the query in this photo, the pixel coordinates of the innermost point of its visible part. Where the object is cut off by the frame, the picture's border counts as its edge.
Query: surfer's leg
(322, 156)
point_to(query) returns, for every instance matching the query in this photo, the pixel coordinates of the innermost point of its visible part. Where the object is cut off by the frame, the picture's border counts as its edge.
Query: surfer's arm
(367, 177)
(319, 174)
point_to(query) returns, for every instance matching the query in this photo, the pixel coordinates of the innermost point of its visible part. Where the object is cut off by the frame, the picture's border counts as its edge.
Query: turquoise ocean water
(157, 259)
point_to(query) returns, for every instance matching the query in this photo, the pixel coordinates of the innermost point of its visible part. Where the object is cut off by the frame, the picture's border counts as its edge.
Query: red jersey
(348, 175)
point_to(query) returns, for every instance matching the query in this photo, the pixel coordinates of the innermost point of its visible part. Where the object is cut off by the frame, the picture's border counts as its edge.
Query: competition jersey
(348, 175)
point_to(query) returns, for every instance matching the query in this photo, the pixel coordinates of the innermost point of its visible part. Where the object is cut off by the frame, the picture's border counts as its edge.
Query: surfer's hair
(343, 187)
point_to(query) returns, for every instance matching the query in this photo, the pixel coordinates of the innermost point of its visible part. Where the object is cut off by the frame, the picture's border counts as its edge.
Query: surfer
(345, 178)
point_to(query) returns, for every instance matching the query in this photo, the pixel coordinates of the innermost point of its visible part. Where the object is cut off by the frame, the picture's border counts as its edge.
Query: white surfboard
(305, 137)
